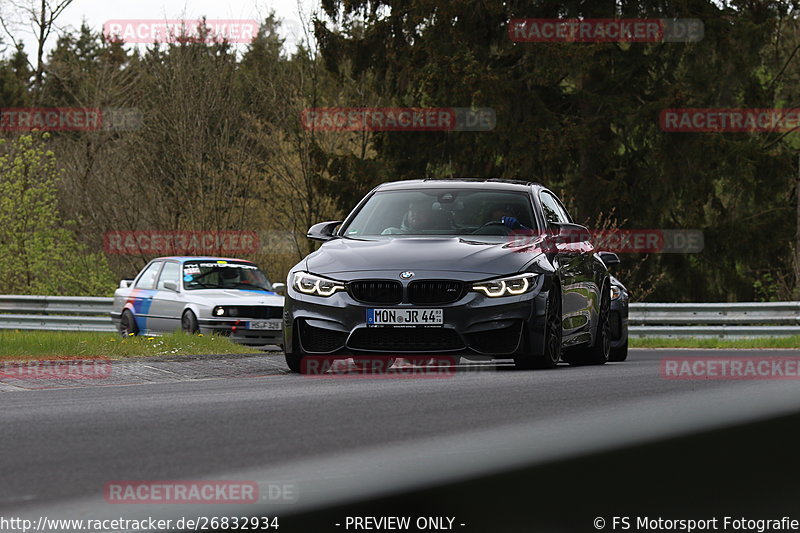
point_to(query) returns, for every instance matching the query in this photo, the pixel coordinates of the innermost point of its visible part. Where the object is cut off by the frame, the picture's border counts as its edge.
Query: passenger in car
(419, 218)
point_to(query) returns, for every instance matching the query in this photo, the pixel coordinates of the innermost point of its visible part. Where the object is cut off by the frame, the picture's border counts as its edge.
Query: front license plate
(405, 317)
(265, 324)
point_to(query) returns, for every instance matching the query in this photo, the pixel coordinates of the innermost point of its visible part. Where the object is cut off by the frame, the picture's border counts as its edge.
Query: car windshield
(224, 275)
(442, 212)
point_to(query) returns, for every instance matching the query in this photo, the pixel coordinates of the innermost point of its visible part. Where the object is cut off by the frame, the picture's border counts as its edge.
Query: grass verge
(23, 345)
(758, 342)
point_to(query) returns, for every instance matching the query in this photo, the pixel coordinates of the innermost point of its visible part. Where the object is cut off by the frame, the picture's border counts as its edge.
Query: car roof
(184, 258)
(469, 183)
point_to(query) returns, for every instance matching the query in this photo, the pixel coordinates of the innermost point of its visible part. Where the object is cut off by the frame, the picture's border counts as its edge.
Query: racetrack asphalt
(171, 419)
(177, 419)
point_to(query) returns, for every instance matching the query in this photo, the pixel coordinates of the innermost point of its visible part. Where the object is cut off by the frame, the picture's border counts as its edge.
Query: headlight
(311, 284)
(510, 286)
(225, 311)
(219, 311)
(616, 292)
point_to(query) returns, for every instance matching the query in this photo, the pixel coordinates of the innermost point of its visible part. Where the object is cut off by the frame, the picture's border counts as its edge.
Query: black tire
(294, 362)
(552, 338)
(189, 323)
(600, 351)
(308, 364)
(619, 354)
(127, 324)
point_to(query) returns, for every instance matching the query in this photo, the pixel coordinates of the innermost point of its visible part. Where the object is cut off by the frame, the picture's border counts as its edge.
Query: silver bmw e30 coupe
(201, 295)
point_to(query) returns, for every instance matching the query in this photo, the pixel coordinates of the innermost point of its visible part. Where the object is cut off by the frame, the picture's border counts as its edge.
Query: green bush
(38, 253)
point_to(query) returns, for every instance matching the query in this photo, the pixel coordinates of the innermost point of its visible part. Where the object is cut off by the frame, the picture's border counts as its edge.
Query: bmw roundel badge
(406, 275)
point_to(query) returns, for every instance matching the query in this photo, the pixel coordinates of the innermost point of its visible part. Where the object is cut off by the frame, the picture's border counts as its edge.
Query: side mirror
(323, 231)
(280, 288)
(609, 258)
(171, 286)
(569, 233)
(125, 283)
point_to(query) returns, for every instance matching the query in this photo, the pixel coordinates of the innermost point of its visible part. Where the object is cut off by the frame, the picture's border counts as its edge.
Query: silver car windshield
(223, 275)
(441, 212)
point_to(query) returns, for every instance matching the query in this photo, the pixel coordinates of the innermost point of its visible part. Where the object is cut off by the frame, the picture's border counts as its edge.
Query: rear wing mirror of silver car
(280, 288)
(125, 283)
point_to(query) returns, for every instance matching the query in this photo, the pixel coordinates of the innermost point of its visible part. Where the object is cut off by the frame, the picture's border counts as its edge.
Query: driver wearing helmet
(505, 214)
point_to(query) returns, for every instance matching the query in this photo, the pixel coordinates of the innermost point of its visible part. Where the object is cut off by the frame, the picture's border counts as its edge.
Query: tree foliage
(221, 146)
(39, 254)
(583, 118)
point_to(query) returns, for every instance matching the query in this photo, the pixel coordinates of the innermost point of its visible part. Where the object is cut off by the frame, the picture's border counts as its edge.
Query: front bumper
(474, 324)
(238, 331)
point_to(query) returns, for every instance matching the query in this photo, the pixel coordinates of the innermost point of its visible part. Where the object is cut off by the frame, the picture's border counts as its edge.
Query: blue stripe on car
(141, 300)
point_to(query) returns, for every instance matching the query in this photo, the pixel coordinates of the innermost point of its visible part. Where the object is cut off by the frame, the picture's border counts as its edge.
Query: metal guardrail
(752, 319)
(57, 323)
(56, 313)
(730, 320)
(86, 305)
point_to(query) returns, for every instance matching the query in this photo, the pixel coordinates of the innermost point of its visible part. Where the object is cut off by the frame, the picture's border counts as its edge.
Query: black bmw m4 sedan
(458, 267)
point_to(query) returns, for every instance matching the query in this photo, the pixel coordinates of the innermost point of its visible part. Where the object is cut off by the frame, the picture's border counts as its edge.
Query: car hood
(451, 254)
(233, 297)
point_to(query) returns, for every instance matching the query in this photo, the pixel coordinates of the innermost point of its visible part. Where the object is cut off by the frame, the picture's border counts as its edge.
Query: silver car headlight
(225, 311)
(509, 286)
(616, 292)
(307, 283)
